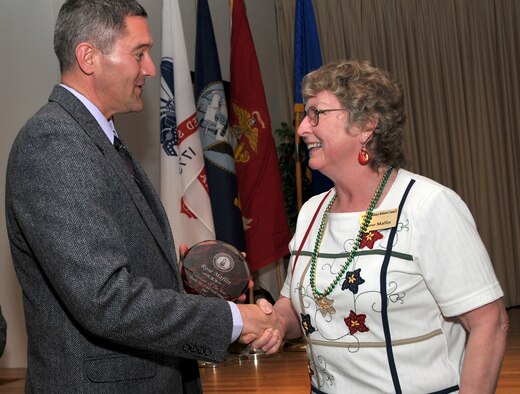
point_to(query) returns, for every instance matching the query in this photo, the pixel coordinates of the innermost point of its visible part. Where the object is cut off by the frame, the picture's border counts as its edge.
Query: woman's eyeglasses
(313, 114)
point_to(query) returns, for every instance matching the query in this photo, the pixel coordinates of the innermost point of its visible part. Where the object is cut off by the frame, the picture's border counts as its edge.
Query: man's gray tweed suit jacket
(95, 257)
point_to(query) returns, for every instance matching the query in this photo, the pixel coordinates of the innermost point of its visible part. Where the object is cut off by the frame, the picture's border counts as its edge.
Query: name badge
(381, 220)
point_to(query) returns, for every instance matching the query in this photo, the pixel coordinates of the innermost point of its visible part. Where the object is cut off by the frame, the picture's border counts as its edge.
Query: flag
(307, 57)
(258, 172)
(184, 188)
(217, 143)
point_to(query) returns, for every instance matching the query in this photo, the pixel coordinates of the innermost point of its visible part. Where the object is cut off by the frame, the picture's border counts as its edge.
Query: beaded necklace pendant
(325, 305)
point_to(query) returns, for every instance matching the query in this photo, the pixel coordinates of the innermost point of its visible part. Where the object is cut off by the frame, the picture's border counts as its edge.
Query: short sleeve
(452, 257)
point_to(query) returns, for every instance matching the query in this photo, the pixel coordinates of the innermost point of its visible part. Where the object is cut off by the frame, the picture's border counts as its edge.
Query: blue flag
(217, 143)
(307, 52)
(307, 57)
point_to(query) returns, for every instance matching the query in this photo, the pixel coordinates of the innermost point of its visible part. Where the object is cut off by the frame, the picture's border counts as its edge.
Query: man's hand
(183, 249)
(263, 328)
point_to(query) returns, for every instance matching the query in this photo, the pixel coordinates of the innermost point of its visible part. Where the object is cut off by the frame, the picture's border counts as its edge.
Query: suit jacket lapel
(145, 198)
(152, 210)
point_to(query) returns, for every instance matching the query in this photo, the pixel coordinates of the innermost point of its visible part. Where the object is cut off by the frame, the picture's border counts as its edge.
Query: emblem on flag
(213, 117)
(248, 125)
(169, 137)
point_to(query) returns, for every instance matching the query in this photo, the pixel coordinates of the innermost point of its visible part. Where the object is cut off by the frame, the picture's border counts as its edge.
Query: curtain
(458, 62)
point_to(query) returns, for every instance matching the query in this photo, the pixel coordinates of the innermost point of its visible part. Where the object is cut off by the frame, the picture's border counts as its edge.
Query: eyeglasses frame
(318, 112)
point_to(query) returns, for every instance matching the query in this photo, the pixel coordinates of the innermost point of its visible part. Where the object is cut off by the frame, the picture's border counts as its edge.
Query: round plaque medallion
(215, 269)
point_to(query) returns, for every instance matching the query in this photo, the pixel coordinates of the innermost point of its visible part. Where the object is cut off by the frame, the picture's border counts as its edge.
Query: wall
(29, 70)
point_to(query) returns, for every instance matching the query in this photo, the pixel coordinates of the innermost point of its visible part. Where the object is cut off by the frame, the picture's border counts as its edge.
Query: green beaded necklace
(321, 296)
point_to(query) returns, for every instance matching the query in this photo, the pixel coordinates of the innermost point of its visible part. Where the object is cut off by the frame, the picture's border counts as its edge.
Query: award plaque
(215, 269)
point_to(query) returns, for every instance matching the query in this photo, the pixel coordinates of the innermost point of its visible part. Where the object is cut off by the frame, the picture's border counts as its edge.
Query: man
(91, 243)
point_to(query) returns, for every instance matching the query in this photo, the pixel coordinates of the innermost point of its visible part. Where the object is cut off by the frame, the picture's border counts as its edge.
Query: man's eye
(139, 56)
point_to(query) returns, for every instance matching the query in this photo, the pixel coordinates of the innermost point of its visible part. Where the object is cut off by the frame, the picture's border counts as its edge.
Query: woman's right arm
(286, 311)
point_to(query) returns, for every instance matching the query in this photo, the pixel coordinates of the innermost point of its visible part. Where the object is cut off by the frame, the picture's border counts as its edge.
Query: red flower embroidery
(356, 323)
(370, 238)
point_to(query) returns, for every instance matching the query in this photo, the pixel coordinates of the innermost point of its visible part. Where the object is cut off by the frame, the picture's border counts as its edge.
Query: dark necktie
(121, 149)
(125, 155)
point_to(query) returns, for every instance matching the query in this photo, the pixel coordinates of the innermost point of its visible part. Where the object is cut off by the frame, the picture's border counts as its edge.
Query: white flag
(184, 187)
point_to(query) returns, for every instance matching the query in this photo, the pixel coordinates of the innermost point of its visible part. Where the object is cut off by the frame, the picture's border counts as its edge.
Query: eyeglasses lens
(313, 115)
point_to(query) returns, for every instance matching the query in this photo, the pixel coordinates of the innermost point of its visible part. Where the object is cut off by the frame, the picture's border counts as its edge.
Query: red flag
(258, 172)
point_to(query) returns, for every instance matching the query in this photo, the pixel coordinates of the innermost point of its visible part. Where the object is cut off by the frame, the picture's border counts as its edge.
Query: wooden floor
(286, 372)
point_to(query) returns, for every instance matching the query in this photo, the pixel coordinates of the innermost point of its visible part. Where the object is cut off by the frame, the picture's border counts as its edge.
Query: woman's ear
(372, 124)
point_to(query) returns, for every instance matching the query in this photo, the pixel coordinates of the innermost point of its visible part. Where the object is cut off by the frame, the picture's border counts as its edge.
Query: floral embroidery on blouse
(370, 238)
(306, 324)
(352, 281)
(356, 323)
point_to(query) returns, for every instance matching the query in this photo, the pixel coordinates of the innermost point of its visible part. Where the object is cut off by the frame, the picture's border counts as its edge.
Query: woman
(389, 280)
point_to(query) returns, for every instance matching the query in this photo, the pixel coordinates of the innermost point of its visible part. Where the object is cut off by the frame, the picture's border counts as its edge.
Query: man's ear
(85, 56)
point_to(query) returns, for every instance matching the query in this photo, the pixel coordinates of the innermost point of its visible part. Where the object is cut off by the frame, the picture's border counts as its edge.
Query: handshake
(264, 327)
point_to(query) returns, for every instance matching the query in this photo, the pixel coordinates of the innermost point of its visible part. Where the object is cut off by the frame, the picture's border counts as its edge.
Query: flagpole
(299, 109)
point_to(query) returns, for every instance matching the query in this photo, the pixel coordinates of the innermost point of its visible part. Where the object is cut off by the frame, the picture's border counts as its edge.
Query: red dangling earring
(363, 156)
